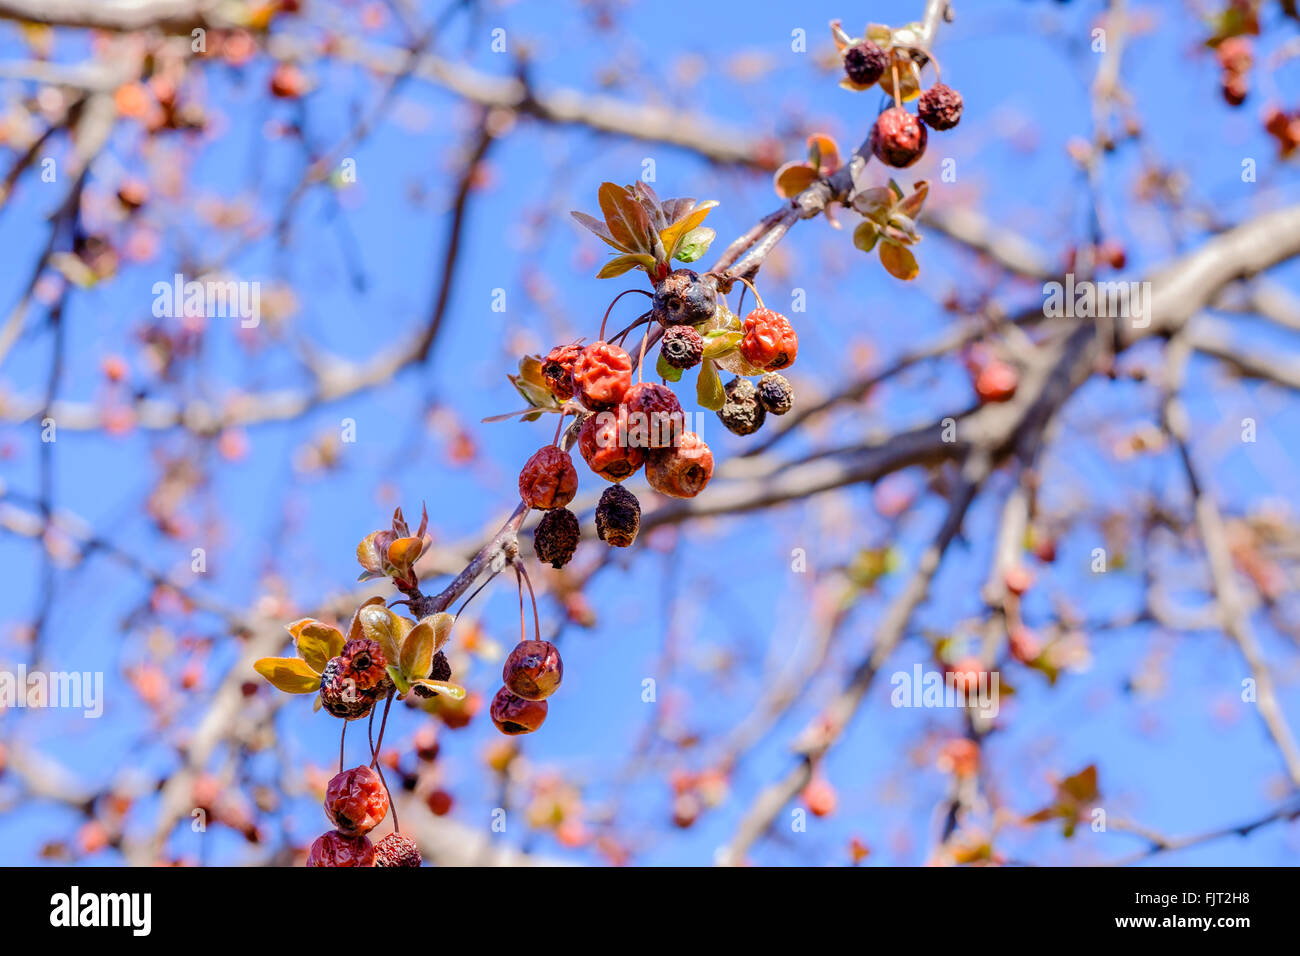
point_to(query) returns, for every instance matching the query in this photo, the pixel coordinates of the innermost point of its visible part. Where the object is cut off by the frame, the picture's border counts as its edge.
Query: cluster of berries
(531, 674)
(886, 56)
(356, 801)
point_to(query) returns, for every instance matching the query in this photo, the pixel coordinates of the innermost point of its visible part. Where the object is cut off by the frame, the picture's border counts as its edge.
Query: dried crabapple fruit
(770, 341)
(602, 373)
(356, 801)
(683, 470)
(742, 413)
(940, 107)
(865, 62)
(685, 298)
(618, 516)
(682, 347)
(776, 393)
(338, 849)
(897, 138)
(604, 446)
(397, 849)
(548, 480)
(557, 369)
(996, 381)
(556, 537)
(654, 415)
(533, 670)
(514, 715)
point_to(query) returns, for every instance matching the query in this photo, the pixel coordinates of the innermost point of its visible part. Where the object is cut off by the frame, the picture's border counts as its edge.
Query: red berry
(356, 801)
(513, 715)
(439, 803)
(533, 670)
(966, 675)
(654, 415)
(604, 444)
(287, 81)
(1025, 645)
(557, 369)
(337, 849)
(898, 138)
(602, 374)
(548, 480)
(996, 381)
(770, 341)
(819, 797)
(397, 849)
(683, 470)
(1018, 579)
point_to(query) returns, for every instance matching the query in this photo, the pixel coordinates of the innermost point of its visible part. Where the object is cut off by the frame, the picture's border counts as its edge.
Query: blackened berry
(441, 667)
(775, 392)
(865, 62)
(396, 849)
(682, 347)
(618, 516)
(940, 107)
(556, 537)
(742, 413)
(685, 298)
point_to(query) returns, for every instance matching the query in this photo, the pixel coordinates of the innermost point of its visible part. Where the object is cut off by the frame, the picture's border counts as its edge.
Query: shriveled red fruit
(966, 674)
(439, 802)
(397, 849)
(602, 374)
(940, 107)
(996, 381)
(338, 849)
(514, 715)
(1018, 579)
(654, 416)
(353, 681)
(557, 369)
(683, 470)
(548, 480)
(682, 347)
(770, 341)
(356, 801)
(533, 670)
(897, 138)
(1025, 645)
(604, 446)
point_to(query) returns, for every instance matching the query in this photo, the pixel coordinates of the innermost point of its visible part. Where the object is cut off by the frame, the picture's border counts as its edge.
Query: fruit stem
(611, 308)
(556, 440)
(645, 340)
(758, 298)
(342, 736)
(537, 624)
(893, 66)
(375, 748)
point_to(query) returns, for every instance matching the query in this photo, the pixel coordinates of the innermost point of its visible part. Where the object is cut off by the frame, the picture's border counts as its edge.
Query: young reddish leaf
(598, 227)
(627, 219)
(899, 261)
(289, 674)
(403, 552)
(675, 209)
(620, 264)
(911, 204)
(354, 629)
(441, 624)
(792, 179)
(650, 202)
(369, 555)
